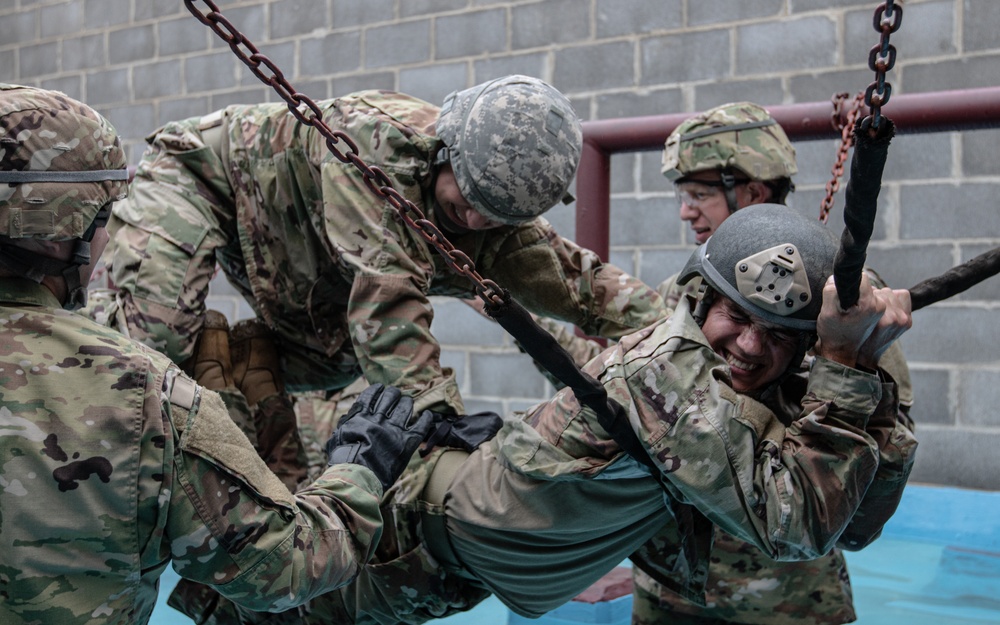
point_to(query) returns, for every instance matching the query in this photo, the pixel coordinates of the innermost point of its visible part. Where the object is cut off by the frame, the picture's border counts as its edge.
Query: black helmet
(772, 261)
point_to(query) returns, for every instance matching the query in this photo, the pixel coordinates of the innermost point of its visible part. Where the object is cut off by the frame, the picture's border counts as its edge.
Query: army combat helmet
(770, 260)
(513, 144)
(61, 168)
(741, 141)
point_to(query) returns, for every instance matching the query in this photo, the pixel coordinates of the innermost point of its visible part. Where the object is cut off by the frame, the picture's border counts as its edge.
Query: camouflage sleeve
(390, 269)
(552, 276)
(790, 491)
(234, 526)
(897, 452)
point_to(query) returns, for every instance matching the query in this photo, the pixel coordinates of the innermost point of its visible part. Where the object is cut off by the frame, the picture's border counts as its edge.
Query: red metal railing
(939, 111)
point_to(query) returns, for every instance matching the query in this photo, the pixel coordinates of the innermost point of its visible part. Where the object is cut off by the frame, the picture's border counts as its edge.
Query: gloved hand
(377, 433)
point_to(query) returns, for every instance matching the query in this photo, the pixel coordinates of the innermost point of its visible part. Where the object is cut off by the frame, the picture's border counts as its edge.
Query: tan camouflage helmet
(514, 145)
(740, 135)
(61, 162)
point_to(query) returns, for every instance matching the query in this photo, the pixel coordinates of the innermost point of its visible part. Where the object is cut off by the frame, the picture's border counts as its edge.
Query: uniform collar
(27, 293)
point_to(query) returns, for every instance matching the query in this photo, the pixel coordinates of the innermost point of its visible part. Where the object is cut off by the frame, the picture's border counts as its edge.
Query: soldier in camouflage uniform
(551, 503)
(327, 266)
(113, 463)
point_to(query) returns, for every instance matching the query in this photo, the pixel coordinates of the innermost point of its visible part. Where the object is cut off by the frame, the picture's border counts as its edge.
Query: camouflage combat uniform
(343, 284)
(744, 585)
(113, 464)
(550, 504)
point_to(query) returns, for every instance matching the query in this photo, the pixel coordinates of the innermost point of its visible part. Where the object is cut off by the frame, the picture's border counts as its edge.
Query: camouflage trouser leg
(165, 237)
(278, 440)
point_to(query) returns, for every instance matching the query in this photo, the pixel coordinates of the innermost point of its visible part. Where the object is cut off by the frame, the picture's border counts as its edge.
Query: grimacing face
(757, 352)
(457, 211)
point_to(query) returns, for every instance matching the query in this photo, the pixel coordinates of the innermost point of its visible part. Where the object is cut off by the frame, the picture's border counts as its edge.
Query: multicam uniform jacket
(113, 464)
(550, 504)
(328, 266)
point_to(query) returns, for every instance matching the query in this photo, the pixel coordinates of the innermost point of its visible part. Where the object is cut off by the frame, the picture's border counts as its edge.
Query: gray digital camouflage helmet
(61, 168)
(513, 144)
(772, 261)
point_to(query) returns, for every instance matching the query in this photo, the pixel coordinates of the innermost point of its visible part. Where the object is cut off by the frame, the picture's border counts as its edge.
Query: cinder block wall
(144, 62)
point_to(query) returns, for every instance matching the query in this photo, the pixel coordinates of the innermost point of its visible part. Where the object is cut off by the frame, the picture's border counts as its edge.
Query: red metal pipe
(939, 111)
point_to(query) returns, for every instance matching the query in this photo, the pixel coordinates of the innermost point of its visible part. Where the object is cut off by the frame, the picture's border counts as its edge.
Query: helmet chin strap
(729, 188)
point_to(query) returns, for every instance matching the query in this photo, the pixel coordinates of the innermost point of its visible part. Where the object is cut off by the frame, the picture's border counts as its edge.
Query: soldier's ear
(759, 192)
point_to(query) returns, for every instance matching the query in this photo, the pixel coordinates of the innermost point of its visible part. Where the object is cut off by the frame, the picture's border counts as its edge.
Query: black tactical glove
(466, 432)
(377, 433)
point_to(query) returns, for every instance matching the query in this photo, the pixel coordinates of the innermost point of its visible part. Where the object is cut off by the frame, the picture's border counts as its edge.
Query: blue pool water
(937, 563)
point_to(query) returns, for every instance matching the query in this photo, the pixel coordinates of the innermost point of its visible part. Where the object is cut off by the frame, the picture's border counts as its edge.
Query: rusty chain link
(881, 59)
(306, 111)
(846, 141)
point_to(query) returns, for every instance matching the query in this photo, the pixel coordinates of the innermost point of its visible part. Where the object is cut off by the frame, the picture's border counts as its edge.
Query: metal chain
(306, 111)
(881, 59)
(846, 142)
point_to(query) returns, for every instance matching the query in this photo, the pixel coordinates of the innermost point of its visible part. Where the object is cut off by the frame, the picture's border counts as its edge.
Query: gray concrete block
(412, 8)
(357, 82)
(815, 160)
(597, 66)
(335, 53)
(644, 221)
(70, 85)
(980, 22)
(504, 375)
(902, 266)
(250, 21)
(717, 11)
(148, 9)
(926, 31)
(978, 397)
(979, 153)
(563, 219)
(456, 360)
(39, 60)
(623, 173)
(19, 27)
(209, 72)
(296, 17)
(455, 323)
(805, 43)
(132, 120)
(765, 92)
(655, 266)
(433, 83)
(104, 13)
(542, 24)
(931, 393)
(239, 96)
(530, 64)
(181, 108)
(282, 55)
(944, 75)
(952, 334)
(156, 80)
(801, 6)
(83, 52)
(474, 405)
(960, 457)
(684, 57)
(944, 211)
(822, 86)
(104, 87)
(61, 19)
(651, 178)
(918, 157)
(989, 290)
(410, 43)
(470, 34)
(317, 89)
(8, 66)
(351, 13)
(624, 259)
(182, 36)
(632, 104)
(630, 17)
(131, 44)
